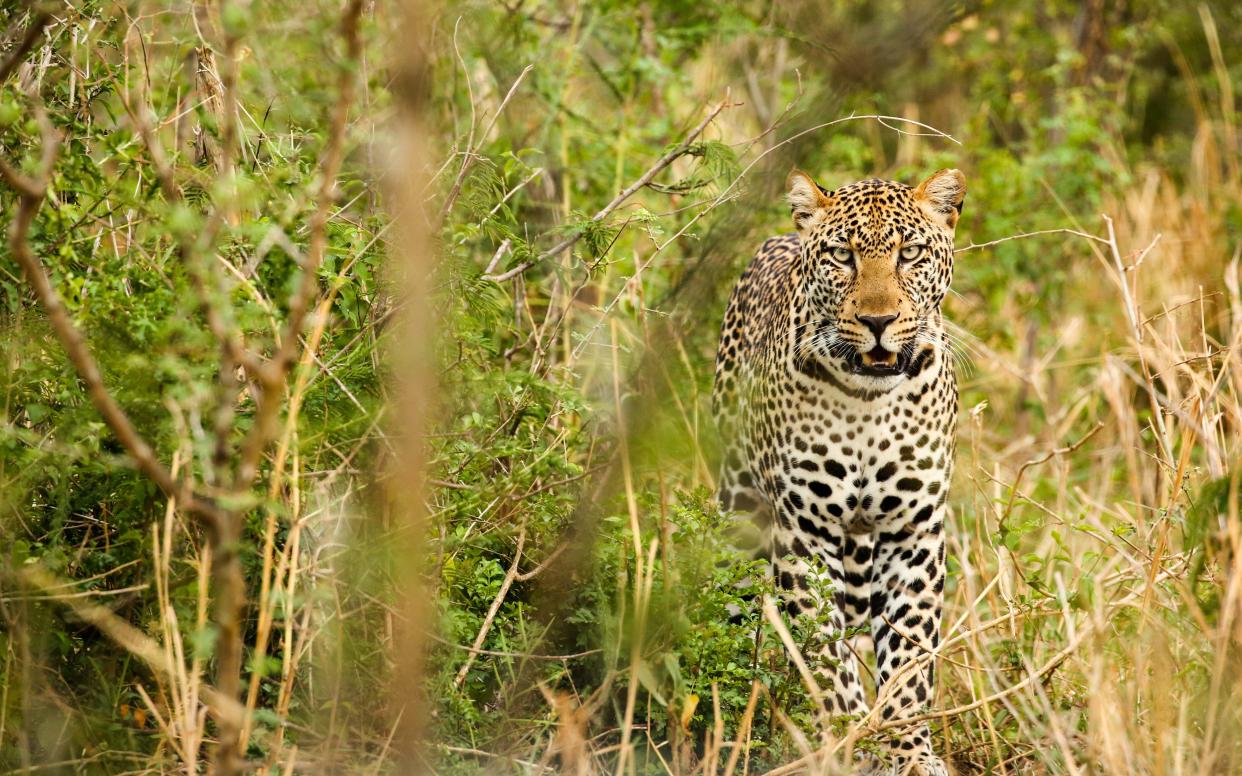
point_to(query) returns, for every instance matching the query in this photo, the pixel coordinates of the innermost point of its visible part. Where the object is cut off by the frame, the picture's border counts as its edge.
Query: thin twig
(18, 54)
(131, 639)
(1024, 235)
(473, 146)
(664, 161)
(493, 610)
(522, 655)
(31, 195)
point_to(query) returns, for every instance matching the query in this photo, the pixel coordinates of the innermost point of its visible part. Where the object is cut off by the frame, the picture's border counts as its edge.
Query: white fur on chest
(823, 454)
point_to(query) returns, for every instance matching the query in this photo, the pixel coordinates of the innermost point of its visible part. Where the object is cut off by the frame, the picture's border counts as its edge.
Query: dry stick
(492, 611)
(469, 153)
(292, 653)
(229, 140)
(498, 255)
(990, 243)
(742, 741)
(79, 594)
(263, 628)
(183, 711)
(472, 147)
(289, 568)
(164, 727)
(1013, 492)
(655, 169)
(711, 762)
(200, 624)
(795, 654)
(134, 641)
(1132, 315)
(499, 653)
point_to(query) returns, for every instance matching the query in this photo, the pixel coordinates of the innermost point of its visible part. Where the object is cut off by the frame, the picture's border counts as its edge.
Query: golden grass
(1100, 641)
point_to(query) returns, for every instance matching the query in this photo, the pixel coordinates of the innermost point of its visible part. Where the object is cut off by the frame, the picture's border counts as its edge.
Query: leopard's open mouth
(880, 362)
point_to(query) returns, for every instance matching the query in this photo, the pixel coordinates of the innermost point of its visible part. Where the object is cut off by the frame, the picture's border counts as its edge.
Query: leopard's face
(877, 259)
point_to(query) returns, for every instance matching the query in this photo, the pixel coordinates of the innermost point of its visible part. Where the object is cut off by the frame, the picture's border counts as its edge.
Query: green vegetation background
(1061, 111)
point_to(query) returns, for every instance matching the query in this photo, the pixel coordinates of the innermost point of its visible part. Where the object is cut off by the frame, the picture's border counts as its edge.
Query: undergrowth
(597, 175)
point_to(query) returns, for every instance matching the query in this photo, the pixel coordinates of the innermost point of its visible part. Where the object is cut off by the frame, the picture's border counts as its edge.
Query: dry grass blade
(355, 375)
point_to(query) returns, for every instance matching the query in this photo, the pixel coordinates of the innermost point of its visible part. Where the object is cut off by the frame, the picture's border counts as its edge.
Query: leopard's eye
(912, 253)
(841, 255)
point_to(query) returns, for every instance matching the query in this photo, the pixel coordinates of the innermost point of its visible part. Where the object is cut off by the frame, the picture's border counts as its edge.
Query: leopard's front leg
(812, 575)
(906, 596)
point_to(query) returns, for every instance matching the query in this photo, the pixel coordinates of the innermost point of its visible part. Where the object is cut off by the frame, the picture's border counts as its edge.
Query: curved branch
(31, 194)
(664, 161)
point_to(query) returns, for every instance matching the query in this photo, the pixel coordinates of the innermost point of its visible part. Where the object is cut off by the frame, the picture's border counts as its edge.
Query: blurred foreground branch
(412, 262)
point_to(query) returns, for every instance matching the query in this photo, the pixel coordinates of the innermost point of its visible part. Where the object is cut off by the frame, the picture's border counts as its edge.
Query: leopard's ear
(941, 196)
(805, 197)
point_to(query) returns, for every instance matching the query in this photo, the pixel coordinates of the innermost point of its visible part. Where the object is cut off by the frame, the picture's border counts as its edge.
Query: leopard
(836, 401)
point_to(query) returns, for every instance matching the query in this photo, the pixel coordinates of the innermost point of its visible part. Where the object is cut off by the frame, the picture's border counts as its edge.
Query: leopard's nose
(876, 323)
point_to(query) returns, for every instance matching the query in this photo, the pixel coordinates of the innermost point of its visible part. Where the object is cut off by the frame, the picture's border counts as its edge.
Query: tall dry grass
(1094, 611)
(1103, 638)
(1106, 604)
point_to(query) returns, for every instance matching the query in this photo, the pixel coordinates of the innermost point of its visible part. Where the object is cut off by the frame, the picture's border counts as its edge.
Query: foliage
(584, 597)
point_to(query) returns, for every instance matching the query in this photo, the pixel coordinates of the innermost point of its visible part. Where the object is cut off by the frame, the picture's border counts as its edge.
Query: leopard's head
(876, 259)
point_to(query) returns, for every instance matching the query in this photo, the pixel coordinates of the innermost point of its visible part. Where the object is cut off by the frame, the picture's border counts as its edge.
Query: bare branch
(664, 161)
(131, 639)
(272, 374)
(472, 148)
(32, 193)
(1024, 235)
(15, 57)
(493, 610)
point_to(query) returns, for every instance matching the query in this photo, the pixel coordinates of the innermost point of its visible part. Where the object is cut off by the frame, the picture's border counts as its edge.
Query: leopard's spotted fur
(837, 402)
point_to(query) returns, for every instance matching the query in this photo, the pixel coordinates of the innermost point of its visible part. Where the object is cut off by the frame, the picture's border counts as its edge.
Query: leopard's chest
(821, 456)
